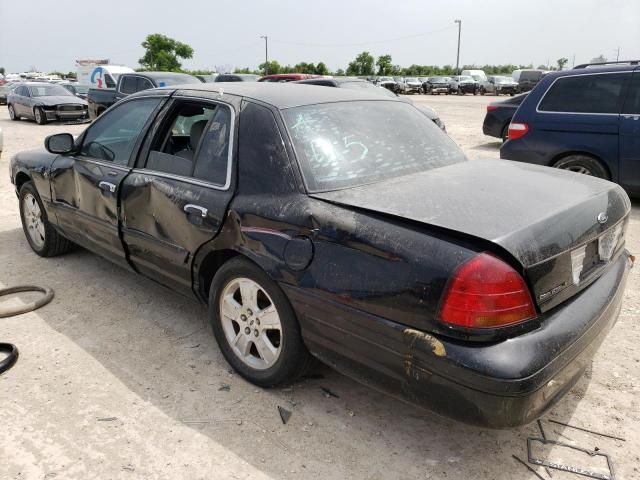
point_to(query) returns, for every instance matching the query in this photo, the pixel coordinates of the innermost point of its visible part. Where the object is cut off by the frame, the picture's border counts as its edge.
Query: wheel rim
(11, 112)
(579, 169)
(251, 323)
(33, 220)
(38, 115)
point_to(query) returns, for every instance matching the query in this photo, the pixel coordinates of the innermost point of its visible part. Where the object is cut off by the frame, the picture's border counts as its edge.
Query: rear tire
(267, 355)
(505, 133)
(12, 113)
(583, 164)
(41, 235)
(40, 116)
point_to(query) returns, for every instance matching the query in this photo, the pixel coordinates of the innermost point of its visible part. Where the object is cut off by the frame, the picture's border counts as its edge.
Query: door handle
(107, 187)
(196, 209)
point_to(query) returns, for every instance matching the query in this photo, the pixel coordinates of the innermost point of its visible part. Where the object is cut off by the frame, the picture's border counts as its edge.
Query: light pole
(459, 22)
(266, 54)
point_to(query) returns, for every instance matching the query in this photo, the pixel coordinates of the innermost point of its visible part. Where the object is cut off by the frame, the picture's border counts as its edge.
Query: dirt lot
(120, 378)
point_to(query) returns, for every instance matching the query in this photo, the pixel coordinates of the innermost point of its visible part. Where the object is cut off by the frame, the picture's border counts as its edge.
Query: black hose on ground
(10, 349)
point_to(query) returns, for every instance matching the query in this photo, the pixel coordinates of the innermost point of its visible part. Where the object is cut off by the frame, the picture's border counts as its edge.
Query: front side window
(345, 144)
(113, 136)
(585, 94)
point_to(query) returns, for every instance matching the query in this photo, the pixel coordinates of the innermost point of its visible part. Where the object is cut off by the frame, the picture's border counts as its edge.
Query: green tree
(162, 53)
(340, 73)
(362, 65)
(384, 65)
(2, 70)
(272, 67)
(321, 69)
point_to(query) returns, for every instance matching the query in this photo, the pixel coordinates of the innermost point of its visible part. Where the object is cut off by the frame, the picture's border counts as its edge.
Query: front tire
(583, 164)
(42, 237)
(40, 116)
(255, 325)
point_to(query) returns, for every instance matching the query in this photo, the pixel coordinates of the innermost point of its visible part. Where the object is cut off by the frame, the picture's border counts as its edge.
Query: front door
(630, 137)
(85, 185)
(176, 201)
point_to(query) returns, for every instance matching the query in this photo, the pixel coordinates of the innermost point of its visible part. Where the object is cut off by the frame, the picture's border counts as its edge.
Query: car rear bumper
(498, 385)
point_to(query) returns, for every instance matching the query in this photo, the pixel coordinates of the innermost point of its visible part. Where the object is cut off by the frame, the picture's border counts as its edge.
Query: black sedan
(437, 85)
(355, 83)
(45, 102)
(329, 223)
(499, 115)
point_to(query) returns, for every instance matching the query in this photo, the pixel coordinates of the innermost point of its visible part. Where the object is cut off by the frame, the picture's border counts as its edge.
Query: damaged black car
(339, 225)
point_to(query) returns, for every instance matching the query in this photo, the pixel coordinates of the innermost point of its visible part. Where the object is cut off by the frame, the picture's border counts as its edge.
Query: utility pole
(459, 22)
(266, 54)
(618, 55)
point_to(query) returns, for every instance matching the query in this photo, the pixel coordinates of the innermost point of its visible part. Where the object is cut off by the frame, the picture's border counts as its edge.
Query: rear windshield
(342, 145)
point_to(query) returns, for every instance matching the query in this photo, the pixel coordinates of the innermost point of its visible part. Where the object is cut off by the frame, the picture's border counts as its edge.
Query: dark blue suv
(586, 120)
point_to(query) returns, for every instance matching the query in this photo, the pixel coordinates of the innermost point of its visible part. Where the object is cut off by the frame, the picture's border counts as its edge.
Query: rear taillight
(517, 130)
(491, 107)
(486, 292)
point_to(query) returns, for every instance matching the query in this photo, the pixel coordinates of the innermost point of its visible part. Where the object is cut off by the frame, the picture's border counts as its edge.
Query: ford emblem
(603, 217)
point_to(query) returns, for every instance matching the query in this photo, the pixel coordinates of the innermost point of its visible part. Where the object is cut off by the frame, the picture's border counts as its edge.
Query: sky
(51, 35)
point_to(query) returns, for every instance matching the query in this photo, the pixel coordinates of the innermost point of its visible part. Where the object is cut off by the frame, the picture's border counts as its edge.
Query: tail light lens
(486, 292)
(517, 130)
(491, 108)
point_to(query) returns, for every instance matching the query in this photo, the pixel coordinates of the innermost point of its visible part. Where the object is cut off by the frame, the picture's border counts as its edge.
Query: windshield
(465, 79)
(411, 79)
(440, 79)
(49, 91)
(176, 79)
(386, 79)
(345, 144)
(81, 88)
(369, 88)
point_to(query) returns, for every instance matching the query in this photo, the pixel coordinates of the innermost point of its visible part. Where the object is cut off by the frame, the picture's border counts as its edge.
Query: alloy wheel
(579, 169)
(251, 323)
(33, 220)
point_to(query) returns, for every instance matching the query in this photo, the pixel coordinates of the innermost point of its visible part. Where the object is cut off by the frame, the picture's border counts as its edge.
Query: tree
(321, 69)
(273, 67)
(1, 70)
(384, 65)
(162, 53)
(340, 73)
(362, 65)
(562, 62)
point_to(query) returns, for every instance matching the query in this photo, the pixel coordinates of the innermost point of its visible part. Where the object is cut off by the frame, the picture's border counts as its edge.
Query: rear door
(580, 113)
(177, 198)
(85, 185)
(630, 137)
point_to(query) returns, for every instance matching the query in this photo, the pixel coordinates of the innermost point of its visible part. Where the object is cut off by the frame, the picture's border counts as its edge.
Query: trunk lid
(539, 215)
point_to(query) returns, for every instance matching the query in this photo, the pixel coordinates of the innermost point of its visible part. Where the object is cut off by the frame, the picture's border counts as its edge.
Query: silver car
(497, 85)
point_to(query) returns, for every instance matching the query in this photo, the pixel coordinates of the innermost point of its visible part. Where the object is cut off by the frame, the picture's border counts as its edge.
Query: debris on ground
(225, 387)
(107, 419)
(588, 431)
(328, 393)
(285, 414)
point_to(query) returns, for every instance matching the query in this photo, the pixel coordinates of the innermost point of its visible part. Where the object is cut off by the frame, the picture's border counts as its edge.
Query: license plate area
(588, 258)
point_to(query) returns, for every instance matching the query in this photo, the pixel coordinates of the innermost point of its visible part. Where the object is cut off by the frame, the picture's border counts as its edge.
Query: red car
(287, 77)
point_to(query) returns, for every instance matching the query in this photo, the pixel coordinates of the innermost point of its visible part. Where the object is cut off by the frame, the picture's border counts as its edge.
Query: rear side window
(632, 104)
(129, 85)
(585, 94)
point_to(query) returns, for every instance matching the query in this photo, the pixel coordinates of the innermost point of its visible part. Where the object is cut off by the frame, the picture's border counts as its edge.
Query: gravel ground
(120, 378)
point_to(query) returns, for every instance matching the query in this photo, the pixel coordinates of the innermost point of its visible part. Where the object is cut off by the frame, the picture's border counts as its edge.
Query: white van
(100, 76)
(478, 75)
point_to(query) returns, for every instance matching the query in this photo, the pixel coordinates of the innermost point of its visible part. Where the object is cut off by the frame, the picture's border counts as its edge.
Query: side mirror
(59, 143)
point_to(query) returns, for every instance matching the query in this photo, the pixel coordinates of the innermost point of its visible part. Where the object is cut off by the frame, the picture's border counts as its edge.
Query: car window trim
(581, 75)
(230, 153)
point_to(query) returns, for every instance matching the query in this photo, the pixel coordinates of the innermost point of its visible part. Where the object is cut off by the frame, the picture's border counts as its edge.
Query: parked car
(363, 85)
(497, 85)
(410, 85)
(499, 115)
(5, 89)
(45, 102)
(287, 77)
(369, 244)
(461, 84)
(585, 120)
(99, 99)
(79, 91)
(527, 79)
(237, 77)
(389, 83)
(478, 75)
(437, 85)
(211, 78)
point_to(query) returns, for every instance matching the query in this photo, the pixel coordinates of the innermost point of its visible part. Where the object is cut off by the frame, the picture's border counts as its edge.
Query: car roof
(160, 74)
(282, 95)
(595, 69)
